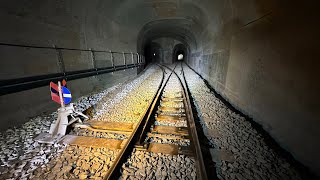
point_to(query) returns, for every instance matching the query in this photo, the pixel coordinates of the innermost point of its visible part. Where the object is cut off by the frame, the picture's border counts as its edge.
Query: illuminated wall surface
(262, 56)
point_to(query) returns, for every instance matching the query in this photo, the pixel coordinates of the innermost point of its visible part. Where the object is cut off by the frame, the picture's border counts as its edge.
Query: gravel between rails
(169, 123)
(180, 142)
(239, 150)
(149, 165)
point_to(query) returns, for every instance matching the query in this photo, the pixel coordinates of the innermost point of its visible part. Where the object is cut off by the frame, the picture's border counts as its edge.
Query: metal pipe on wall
(9, 86)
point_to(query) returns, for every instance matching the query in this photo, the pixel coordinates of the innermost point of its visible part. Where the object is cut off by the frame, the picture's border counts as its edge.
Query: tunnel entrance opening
(165, 50)
(167, 33)
(180, 53)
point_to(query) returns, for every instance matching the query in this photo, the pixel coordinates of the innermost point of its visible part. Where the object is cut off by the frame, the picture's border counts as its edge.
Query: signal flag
(65, 92)
(54, 92)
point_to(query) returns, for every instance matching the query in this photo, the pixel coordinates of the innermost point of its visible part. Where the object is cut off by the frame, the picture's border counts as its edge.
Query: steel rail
(201, 170)
(132, 140)
(152, 108)
(136, 138)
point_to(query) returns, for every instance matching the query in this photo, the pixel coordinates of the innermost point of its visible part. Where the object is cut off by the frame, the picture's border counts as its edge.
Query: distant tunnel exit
(179, 53)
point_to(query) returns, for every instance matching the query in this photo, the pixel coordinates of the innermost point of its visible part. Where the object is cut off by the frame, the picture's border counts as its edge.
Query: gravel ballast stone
(239, 150)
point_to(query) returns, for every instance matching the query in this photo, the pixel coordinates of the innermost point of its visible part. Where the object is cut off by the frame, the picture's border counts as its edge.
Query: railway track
(164, 131)
(169, 135)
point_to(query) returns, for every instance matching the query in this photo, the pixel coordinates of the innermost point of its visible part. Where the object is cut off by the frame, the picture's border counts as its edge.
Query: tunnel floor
(238, 150)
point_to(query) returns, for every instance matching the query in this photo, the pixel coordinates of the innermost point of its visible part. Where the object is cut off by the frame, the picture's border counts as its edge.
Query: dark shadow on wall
(218, 61)
(153, 53)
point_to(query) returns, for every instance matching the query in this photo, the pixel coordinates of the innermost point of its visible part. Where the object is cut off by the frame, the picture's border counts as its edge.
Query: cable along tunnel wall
(99, 62)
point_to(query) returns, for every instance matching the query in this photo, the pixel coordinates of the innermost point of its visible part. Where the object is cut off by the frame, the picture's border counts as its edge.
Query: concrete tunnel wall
(260, 55)
(69, 24)
(263, 58)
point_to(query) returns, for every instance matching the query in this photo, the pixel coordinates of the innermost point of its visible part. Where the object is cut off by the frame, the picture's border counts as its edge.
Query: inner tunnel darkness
(152, 52)
(260, 58)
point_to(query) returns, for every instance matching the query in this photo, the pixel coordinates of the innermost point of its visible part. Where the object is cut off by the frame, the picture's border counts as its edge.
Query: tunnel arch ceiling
(178, 29)
(182, 20)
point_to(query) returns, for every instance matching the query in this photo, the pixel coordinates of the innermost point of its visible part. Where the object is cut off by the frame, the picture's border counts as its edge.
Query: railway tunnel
(250, 69)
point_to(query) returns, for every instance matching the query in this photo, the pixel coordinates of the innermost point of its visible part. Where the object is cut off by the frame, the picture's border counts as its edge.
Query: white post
(132, 59)
(137, 58)
(124, 59)
(112, 61)
(60, 94)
